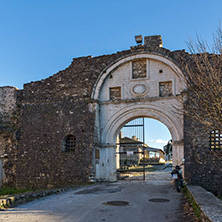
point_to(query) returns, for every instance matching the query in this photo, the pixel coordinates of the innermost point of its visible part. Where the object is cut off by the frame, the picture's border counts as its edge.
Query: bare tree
(204, 81)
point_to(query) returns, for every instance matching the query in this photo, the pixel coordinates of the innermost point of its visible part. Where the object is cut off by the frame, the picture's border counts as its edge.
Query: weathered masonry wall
(50, 110)
(58, 106)
(44, 125)
(203, 167)
(8, 122)
(35, 121)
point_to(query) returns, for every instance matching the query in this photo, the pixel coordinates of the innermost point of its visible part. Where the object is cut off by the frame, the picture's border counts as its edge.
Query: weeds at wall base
(196, 208)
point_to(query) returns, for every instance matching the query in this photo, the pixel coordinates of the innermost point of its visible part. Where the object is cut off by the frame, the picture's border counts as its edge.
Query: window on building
(215, 140)
(139, 69)
(165, 88)
(115, 93)
(69, 143)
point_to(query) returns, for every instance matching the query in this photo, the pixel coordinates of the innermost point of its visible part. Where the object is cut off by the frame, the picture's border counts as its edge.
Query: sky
(38, 38)
(156, 133)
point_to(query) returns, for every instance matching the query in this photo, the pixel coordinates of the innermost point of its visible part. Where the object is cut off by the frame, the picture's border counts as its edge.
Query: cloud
(159, 141)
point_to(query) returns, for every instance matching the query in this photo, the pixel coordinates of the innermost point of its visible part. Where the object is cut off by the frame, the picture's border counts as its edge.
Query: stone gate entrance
(89, 102)
(139, 85)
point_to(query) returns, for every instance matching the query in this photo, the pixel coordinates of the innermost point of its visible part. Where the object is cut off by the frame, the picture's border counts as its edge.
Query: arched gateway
(138, 85)
(63, 129)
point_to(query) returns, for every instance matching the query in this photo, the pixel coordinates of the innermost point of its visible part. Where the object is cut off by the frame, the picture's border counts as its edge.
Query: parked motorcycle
(178, 177)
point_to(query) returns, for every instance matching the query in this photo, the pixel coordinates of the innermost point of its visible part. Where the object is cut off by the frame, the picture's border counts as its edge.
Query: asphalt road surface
(153, 200)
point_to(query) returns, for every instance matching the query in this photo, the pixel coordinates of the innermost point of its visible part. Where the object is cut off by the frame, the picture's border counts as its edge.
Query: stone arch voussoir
(119, 119)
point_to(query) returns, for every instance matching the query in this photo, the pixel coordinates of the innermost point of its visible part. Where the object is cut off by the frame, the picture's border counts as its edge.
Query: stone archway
(146, 101)
(118, 120)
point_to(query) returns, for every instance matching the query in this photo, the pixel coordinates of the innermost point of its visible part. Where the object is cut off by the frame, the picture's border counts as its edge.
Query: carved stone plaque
(115, 93)
(165, 88)
(139, 69)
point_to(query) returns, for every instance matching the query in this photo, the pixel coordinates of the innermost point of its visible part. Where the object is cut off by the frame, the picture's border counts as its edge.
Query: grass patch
(10, 190)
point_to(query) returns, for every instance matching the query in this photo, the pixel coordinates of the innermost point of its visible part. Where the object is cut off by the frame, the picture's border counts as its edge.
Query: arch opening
(159, 113)
(142, 146)
(107, 166)
(126, 97)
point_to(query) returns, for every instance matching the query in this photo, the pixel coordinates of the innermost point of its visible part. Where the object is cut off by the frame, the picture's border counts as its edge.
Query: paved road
(86, 204)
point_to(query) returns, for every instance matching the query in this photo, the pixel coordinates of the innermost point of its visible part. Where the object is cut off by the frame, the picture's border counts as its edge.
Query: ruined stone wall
(202, 167)
(50, 110)
(44, 126)
(7, 99)
(8, 144)
(58, 106)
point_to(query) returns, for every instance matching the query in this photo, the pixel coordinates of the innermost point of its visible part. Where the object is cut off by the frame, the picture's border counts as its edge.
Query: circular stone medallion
(140, 89)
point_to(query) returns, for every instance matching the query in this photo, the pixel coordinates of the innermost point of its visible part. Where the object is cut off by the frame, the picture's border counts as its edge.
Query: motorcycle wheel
(178, 186)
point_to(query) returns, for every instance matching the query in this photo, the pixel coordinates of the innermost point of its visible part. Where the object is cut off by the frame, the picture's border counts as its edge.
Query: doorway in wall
(143, 145)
